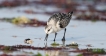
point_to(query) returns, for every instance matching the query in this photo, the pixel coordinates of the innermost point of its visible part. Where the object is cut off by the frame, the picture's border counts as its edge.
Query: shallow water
(81, 32)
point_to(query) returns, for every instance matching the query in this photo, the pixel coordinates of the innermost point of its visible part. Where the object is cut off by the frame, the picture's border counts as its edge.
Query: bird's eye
(49, 30)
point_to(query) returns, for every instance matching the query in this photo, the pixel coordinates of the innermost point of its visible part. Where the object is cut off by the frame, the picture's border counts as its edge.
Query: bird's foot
(63, 39)
(54, 40)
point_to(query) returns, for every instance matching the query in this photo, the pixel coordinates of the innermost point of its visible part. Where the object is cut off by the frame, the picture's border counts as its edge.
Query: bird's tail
(70, 14)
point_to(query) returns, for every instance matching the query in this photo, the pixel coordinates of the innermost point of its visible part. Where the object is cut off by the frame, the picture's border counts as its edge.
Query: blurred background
(83, 9)
(22, 19)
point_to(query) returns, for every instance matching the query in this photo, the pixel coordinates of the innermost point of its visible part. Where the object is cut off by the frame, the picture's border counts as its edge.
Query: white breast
(55, 25)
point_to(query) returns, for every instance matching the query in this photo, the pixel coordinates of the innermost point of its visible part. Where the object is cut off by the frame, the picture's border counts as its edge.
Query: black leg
(46, 37)
(63, 39)
(55, 36)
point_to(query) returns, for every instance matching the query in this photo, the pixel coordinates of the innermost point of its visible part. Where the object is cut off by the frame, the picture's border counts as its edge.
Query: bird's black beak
(46, 37)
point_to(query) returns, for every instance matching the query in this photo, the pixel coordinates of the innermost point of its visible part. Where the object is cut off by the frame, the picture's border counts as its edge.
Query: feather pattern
(62, 18)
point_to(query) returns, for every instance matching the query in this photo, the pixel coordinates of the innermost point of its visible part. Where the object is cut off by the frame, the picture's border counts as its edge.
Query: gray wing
(64, 22)
(63, 19)
(56, 17)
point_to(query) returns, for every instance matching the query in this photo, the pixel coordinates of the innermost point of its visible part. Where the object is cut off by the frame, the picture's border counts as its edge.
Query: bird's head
(48, 29)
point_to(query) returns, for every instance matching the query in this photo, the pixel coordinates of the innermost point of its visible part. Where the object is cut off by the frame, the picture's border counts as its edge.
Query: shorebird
(57, 22)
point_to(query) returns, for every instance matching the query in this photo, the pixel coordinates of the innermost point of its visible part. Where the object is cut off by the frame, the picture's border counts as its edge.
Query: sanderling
(57, 22)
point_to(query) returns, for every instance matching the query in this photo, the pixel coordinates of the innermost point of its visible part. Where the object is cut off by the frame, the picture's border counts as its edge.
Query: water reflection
(63, 44)
(45, 44)
(56, 52)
